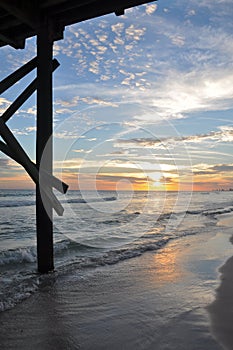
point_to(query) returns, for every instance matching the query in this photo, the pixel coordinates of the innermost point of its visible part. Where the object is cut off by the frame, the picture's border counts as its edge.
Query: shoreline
(154, 301)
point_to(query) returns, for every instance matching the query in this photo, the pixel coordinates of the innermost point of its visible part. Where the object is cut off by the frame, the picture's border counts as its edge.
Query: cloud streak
(224, 135)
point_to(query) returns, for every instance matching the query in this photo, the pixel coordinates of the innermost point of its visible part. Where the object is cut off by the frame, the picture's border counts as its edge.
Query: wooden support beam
(15, 148)
(24, 96)
(44, 211)
(22, 157)
(120, 12)
(26, 11)
(16, 43)
(6, 150)
(53, 181)
(17, 75)
(11, 22)
(91, 9)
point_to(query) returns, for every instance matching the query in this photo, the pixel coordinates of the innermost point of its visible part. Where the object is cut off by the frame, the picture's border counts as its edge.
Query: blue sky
(146, 97)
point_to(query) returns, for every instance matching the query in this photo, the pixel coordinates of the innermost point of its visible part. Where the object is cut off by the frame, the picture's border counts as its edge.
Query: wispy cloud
(4, 104)
(8, 167)
(218, 169)
(224, 135)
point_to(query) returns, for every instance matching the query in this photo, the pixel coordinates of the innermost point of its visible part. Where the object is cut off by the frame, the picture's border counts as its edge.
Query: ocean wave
(15, 289)
(113, 256)
(205, 212)
(16, 193)
(85, 255)
(18, 256)
(112, 222)
(194, 212)
(27, 255)
(90, 200)
(16, 204)
(20, 284)
(148, 243)
(218, 211)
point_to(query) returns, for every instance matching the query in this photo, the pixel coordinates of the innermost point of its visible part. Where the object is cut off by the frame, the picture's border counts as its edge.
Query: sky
(142, 101)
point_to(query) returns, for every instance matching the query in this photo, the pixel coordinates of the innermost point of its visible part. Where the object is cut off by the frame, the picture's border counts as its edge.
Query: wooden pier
(46, 19)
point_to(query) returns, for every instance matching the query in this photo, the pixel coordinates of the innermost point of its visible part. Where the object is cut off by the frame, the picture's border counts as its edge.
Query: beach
(116, 175)
(221, 310)
(158, 300)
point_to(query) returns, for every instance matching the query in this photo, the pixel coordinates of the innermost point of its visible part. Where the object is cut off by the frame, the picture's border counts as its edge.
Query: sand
(156, 301)
(221, 310)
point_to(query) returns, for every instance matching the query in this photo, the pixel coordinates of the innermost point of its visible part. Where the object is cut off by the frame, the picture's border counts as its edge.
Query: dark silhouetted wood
(24, 96)
(44, 212)
(17, 75)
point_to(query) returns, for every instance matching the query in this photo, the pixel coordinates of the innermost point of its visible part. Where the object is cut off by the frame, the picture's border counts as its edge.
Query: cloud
(119, 41)
(150, 9)
(101, 37)
(178, 40)
(98, 101)
(4, 104)
(18, 132)
(31, 128)
(191, 12)
(217, 169)
(66, 134)
(101, 48)
(223, 168)
(135, 33)
(224, 135)
(180, 94)
(169, 97)
(176, 95)
(68, 165)
(167, 180)
(9, 167)
(82, 151)
(117, 178)
(14, 61)
(113, 182)
(63, 111)
(94, 67)
(4, 163)
(118, 28)
(67, 103)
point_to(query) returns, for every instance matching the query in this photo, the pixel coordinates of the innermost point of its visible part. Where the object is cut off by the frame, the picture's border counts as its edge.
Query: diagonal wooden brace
(31, 169)
(17, 75)
(24, 96)
(51, 180)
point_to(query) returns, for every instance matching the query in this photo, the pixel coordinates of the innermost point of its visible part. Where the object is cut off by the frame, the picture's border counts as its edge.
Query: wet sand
(221, 310)
(156, 301)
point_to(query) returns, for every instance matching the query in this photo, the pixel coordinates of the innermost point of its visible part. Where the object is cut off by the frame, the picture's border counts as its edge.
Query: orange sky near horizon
(108, 182)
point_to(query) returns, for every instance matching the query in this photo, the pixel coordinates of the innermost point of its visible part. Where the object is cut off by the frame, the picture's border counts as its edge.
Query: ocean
(98, 229)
